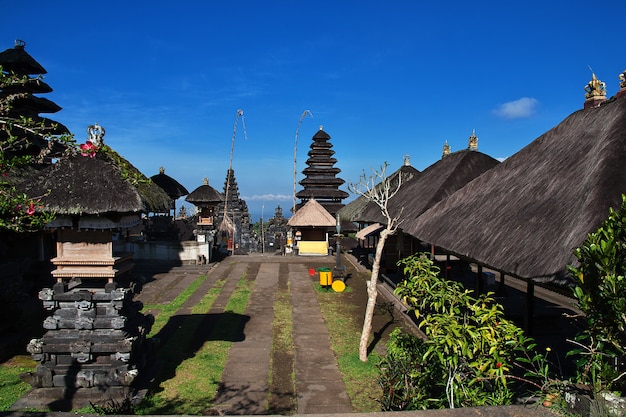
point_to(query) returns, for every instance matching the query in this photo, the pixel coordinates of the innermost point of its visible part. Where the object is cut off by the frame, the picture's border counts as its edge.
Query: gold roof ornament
(205, 181)
(161, 170)
(473, 142)
(622, 79)
(595, 88)
(446, 150)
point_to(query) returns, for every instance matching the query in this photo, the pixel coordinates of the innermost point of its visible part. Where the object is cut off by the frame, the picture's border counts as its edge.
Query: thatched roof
(436, 182)
(172, 187)
(312, 214)
(205, 194)
(527, 215)
(79, 185)
(19, 61)
(353, 211)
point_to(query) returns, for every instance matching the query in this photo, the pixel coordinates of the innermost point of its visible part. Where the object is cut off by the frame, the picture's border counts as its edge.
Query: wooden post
(479, 280)
(530, 307)
(501, 286)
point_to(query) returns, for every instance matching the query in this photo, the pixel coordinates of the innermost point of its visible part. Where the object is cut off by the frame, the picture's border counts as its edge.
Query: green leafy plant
(601, 296)
(469, 353)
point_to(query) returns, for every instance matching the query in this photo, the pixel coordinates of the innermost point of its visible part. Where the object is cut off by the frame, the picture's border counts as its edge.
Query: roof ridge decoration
(595, 92)
(595, 88)
(622, 79)
(472, 143)
(446, 149)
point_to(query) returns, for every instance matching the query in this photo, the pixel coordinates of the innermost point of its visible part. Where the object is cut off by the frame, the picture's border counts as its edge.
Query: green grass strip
(196, 378)
(282, 344)
(163, 312)
(11, 386)
(345, 324)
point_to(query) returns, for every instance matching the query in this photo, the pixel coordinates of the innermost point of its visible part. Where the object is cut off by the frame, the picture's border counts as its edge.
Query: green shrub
(470, 351)
(601, 296)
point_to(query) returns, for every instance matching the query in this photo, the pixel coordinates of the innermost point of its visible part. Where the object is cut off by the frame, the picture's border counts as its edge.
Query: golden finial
(595, 88)
(446, 149)
(161, 170)
(205, 181)
(622, 79)
(407, 160)
(473, 141)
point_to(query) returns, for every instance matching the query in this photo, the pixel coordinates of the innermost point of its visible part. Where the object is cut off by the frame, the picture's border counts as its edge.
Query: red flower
(31, 210)
(498, 364)
(88, 149)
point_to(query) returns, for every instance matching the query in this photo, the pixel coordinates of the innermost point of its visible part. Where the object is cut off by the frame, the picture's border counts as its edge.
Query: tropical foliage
(601, 296)
(24, 143)
(470, 354)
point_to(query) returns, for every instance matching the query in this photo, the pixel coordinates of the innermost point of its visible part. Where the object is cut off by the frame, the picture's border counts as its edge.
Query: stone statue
(96, 135)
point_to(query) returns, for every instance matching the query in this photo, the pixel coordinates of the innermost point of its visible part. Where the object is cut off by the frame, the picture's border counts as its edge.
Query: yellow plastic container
(326, 277)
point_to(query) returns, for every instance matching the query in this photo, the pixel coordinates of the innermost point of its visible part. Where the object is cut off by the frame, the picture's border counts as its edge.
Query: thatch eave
(526, 216)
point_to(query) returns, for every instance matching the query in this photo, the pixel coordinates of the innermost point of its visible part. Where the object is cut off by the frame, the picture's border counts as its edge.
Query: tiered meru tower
(321, 182)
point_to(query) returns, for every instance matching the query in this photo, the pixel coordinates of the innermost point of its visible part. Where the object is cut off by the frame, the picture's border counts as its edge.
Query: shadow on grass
(384, 309)
(182, 338)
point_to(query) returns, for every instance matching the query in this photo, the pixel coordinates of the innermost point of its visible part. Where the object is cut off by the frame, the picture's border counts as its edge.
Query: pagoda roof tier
(32, 104)
(320, 155)
(18, 61)
(321, 135)
(32, 85)
(322, 182)
(321, 146)
(322, 193)
(312, 171)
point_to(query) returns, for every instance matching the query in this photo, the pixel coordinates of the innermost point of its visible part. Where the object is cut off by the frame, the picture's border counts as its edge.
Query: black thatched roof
(79, 185)
(19, 61)
(526, 216)
(172, 187)
(436, 182)
(353, 211)
(205, 194)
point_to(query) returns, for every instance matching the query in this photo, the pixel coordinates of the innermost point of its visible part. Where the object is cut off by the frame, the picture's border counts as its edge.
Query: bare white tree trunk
(379, 194)
(372, 294)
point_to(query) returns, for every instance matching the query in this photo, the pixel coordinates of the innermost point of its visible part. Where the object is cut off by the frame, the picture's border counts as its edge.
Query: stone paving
(245, 381)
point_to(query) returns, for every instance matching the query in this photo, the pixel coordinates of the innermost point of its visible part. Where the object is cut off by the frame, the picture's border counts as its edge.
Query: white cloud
(523, 107)
(268, 197)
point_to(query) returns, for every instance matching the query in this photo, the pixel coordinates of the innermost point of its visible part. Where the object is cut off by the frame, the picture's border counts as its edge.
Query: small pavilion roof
(312, 214)
(205, 194)
(172, 187)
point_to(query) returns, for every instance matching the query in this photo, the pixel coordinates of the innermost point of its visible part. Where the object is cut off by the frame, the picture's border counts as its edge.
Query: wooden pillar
(501, 291)
(530, 307)
(479, 280)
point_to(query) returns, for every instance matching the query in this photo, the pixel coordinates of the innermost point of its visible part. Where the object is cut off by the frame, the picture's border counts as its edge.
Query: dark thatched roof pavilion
(526, 216)
(353, 211)
(172, 187)
(205, 194)
(436, 182)
(104, 185)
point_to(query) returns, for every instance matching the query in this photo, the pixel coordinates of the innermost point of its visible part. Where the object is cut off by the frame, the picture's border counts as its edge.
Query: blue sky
(384, 79)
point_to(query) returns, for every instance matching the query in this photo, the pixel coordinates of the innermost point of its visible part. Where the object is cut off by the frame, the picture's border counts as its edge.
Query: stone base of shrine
(66, 399)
